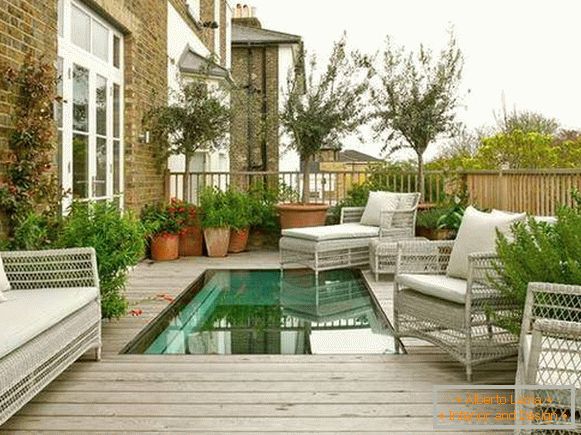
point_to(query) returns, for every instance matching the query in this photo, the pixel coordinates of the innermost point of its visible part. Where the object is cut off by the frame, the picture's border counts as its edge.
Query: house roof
(194, 63)
(243, 35)
(356, 156)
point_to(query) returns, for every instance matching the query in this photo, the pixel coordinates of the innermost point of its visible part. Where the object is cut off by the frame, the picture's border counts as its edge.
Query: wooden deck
(257, 394)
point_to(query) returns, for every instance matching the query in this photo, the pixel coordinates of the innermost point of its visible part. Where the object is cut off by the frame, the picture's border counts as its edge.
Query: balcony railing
(538, 192)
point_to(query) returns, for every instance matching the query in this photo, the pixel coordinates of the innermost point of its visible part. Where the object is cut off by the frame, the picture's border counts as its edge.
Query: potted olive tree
(330, 108)
(197, 119)
(216, 217)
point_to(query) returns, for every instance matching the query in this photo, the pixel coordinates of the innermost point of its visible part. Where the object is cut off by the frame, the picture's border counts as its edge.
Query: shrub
(118, 239)
(215, 210)
(35, 231)
(430, 218)
(263, 199)
(538, 252)
(240, 210)
(158, 219)
(183, 213)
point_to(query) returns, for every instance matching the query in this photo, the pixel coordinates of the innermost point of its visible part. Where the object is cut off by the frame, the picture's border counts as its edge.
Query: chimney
(245, 15)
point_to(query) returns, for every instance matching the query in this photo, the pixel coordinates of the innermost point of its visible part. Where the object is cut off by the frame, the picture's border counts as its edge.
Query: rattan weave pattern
(28, 369)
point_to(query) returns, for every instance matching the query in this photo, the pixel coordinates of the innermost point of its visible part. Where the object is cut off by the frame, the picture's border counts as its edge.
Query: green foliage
(35, 231)
(240, 207)
(160, 219)
(119, 241)
(214, 208)
(183, 213)
(538, 252)
(28, 183)
(417, 99)
(430, 218)
(452, 217)
(528, 122)
(330, 108)
(263, 199)
(198, 119)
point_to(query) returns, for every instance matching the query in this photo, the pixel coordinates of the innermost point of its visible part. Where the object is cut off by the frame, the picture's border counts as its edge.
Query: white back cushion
(376, 203)
(477, 233)
(406, 200)
(4, 284)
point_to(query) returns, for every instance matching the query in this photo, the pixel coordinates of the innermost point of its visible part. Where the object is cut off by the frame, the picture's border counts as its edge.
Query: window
(194, 9)
(90, 116)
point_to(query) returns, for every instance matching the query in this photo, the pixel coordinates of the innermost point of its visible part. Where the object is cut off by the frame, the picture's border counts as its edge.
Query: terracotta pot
(165, 247)
(191, 242)
(217, 241)
(302, 215)
(238, 240)
(435, 233)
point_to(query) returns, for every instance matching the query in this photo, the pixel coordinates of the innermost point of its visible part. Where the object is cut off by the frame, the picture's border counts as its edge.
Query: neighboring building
(116, 58)
(332, 159)
(261, 62)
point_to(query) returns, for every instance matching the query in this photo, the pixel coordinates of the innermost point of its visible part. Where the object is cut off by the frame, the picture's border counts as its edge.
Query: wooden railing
(538, 192)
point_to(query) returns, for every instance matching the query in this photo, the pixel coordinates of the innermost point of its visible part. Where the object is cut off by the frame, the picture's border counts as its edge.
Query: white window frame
(72, 55)
(194, 9)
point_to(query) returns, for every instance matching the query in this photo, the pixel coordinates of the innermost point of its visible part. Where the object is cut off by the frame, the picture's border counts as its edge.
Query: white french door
(90, 118)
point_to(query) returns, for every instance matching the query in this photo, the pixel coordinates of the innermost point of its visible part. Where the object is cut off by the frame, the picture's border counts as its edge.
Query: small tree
(416, 101)
(329, 109)
(198, 118)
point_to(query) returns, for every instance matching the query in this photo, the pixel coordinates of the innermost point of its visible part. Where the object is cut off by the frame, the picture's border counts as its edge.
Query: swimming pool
(269, 312)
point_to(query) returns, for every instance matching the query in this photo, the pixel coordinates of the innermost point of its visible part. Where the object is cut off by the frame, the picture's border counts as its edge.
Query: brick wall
(25, 26)
(255, 68)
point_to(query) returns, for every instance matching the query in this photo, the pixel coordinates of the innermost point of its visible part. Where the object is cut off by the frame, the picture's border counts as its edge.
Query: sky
(526, 53)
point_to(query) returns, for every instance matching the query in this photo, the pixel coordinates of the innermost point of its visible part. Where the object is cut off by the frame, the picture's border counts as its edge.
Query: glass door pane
(80, 132)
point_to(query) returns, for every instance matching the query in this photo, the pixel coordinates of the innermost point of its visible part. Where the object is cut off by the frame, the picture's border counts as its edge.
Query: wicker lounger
(35, 277)
(346, 250)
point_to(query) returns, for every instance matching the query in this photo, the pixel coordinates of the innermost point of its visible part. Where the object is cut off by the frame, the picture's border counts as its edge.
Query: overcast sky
(527, 50)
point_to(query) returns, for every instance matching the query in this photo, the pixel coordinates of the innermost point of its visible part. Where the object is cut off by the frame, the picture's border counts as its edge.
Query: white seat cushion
(332, 232)
(551, 220)
(439, 286)
(28, 313)
(477, 233)
(376, 203)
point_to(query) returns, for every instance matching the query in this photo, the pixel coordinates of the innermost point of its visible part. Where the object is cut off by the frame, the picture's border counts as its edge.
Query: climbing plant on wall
(28, 183)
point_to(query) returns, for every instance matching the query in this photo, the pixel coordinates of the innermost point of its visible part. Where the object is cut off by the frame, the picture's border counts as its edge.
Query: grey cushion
(439, 286)
(28, 313)
(332, 232)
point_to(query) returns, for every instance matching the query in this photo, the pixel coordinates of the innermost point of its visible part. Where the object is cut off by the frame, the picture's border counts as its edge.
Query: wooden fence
(538, 192)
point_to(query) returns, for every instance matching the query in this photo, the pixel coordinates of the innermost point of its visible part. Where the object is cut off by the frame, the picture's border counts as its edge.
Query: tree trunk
(187, 181)
(420, 181)
(306, 180)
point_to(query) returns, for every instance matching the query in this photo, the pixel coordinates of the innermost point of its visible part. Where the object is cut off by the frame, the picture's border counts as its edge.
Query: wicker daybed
(48, 319)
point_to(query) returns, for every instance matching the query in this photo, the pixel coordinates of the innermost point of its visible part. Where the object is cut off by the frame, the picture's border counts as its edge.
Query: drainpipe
(264, 151)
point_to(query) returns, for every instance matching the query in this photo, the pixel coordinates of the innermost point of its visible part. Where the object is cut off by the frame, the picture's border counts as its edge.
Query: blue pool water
(266, 312)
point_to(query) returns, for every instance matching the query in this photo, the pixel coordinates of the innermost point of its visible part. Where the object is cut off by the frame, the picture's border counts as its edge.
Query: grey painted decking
(267, 393)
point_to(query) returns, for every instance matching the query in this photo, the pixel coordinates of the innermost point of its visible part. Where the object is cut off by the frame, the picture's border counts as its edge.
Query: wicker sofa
(347, 244)
(51, 317)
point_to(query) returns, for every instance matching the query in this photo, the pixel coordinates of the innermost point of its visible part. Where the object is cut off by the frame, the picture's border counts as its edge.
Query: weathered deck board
(241, 393)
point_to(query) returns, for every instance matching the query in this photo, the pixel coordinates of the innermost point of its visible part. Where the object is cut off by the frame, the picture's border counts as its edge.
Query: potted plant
(163, 230)
(215, 218)
(241, 219)
(330, 108)
(191, 236)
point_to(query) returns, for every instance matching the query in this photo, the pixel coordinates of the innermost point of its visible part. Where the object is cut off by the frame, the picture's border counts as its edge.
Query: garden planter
(165, 247)
(217, 241)
(191, 242)
(238, 240)
(302, 215)
(435, 233)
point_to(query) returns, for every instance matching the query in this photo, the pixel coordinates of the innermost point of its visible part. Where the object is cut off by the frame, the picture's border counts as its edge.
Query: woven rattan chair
(550, 343)
(52, 316)
(449, 312)
(349, 248)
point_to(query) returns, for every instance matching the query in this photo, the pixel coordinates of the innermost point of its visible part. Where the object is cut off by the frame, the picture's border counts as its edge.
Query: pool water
(269, 312)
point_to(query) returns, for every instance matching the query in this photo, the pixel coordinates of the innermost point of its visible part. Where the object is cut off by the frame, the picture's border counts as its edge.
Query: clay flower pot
(165, 247)
(217, 241)
(191, 242)
(302, 215)
(435, 233)
(238, 240)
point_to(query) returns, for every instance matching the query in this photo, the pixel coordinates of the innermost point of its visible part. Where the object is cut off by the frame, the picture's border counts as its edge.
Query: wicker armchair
(451, 313)
(52, 316)
(550, 342)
